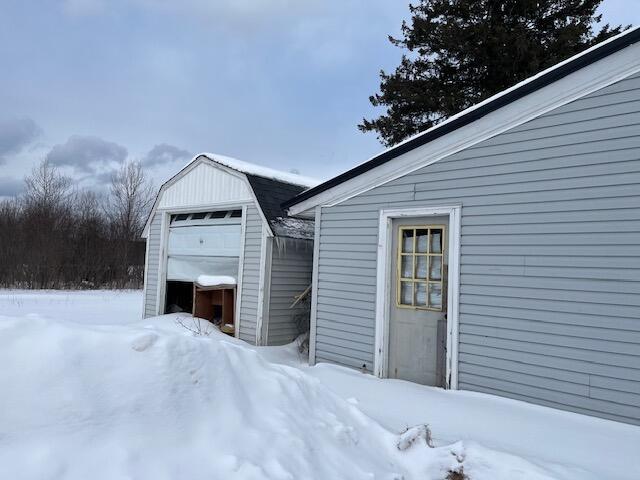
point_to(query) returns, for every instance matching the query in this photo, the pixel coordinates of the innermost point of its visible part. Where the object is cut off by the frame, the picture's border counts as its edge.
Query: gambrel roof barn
(223, 217)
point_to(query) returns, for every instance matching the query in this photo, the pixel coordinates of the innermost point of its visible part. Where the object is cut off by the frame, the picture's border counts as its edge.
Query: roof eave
(518, 91)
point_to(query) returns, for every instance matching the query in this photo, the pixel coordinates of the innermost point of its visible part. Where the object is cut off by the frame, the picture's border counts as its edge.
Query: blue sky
(282, 83)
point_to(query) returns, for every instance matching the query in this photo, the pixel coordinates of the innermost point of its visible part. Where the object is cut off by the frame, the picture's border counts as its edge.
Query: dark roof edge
(554, 74)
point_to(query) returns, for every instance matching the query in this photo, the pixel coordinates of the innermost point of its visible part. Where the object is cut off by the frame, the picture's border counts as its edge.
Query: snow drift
(97, 399)
(111, 402)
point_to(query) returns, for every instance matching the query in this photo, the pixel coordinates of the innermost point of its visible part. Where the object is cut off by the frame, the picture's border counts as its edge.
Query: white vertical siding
(205, 184)
(550, 258)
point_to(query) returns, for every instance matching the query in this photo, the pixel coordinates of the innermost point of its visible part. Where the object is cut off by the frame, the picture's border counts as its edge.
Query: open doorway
(179, 297)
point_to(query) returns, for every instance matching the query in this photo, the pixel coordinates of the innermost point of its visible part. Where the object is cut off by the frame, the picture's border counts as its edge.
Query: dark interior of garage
(179, 297)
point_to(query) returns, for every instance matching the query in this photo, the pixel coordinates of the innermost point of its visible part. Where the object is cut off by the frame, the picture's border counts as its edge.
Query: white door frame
(383, 286)
(161, 293)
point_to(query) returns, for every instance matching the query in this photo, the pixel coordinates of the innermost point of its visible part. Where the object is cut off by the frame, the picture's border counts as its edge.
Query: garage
(222, 217)
(200, 243)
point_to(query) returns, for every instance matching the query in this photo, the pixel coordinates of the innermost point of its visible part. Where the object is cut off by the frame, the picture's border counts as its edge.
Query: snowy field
(99, 307)
(90, 391)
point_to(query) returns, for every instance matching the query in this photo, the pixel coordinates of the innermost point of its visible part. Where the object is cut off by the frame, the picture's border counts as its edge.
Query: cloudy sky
(283, 83)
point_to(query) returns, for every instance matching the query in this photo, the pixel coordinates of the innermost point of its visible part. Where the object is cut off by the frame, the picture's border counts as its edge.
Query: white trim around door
(165, 226)
(383, 286)
(162, 262)
(262, 294)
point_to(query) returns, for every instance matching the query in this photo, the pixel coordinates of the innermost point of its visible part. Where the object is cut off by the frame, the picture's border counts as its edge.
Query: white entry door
(417, 316)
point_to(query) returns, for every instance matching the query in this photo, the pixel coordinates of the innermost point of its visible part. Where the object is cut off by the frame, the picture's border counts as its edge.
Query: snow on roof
(215, 280)
(259, 170)
(293, 228)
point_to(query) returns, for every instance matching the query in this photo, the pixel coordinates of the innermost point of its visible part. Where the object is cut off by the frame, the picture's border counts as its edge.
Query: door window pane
(436, 240)
(435, 295)
(180, 217)
(421, 266)
(406, 293)
(406, 266)
(422, 237)
(421, 294)
(407, 241)
(435, 271)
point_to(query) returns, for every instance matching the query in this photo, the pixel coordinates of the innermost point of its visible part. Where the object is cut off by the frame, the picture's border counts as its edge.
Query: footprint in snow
(144, 341)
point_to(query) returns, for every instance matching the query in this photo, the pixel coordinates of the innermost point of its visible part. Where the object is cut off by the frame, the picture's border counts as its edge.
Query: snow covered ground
(88, 390)
(98, 307)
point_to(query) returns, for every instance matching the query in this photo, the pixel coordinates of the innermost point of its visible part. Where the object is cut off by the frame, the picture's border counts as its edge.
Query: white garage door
(206, 243)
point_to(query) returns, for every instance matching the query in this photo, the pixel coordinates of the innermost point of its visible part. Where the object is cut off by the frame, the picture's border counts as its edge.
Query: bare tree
(92, 253)
(131, 195)
(46, 224)
(11, 249)
(55, 237)
(46, 187)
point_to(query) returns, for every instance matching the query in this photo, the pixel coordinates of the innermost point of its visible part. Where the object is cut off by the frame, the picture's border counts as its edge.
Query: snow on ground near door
(91, 391)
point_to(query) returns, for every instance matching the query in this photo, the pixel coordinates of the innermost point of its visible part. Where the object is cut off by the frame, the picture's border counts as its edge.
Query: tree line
(57, 236)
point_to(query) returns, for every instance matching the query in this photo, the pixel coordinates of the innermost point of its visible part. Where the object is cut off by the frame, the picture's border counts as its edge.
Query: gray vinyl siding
(153, 262)
(250, 275)
(550, 258)
(291, 267)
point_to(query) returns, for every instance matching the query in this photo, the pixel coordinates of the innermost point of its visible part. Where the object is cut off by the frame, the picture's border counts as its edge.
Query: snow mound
(88, 397)
(215, 280)
(107, 402)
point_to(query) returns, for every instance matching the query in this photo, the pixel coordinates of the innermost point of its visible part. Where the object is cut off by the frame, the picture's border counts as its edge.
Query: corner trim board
(162, 262)
(314, 287)
(144, 280)
(243, 234)
(261, 284)
(264, 335)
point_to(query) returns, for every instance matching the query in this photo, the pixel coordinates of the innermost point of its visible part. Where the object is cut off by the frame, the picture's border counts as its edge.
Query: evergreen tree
(461, 52)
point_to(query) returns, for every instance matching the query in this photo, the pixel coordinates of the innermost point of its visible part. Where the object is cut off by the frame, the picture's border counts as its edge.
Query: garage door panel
(188, 268)
(195, 250)
(209, 240)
